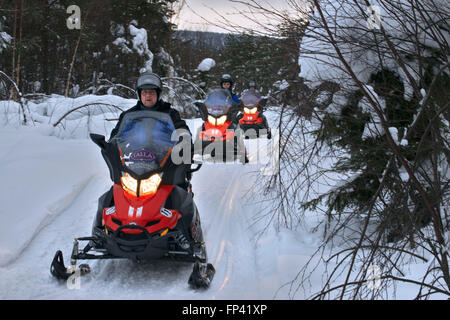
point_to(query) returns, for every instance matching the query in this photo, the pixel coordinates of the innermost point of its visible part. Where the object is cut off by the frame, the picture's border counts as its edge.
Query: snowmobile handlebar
(99, 140)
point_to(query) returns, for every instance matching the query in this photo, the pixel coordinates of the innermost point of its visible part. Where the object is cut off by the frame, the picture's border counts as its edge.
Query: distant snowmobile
(252, 121)
(219, 138)
(149, 216)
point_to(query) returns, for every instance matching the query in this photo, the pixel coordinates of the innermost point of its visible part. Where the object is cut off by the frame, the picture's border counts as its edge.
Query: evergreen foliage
(48, 45)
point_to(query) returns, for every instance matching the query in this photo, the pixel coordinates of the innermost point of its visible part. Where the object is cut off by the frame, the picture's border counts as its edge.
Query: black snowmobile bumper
(139, 246)
(255, 130)
(222, 151)
(117, 245)
(200, 277)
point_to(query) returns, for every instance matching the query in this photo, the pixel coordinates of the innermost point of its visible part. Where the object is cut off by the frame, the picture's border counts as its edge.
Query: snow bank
(41, 176)
(43, 172)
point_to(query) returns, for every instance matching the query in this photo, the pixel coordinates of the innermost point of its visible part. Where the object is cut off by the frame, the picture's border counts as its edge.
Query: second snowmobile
(219, 139)
(146, 214)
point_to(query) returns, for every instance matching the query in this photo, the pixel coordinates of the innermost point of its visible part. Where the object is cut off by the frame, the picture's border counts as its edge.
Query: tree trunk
(45, 50)
(19, 43)
(13, 65)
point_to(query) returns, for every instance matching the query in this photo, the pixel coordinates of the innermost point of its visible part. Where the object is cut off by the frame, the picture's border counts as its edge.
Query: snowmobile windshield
(250, 99)
(145, 139)
(218, 102)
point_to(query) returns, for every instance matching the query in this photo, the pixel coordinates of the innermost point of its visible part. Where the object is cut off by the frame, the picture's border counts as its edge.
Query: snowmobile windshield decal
(218, 102)
(145, 137)
(250, 99)
(142, 155)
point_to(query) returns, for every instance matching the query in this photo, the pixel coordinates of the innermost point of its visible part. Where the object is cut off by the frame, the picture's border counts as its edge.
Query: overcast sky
(195, 12)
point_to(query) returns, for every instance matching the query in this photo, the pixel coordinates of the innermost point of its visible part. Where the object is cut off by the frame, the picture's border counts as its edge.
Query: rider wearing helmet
(148, 89)
(252, 85)
(226, 82)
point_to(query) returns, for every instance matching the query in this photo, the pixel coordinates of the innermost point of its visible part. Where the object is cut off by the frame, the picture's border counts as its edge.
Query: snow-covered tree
(374, 155)
(387, 125)
(113, 43)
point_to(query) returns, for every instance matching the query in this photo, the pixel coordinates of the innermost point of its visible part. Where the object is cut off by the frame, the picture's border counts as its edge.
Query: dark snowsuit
(160, 106)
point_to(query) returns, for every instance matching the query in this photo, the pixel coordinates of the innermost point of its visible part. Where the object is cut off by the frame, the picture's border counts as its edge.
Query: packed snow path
(245, 268)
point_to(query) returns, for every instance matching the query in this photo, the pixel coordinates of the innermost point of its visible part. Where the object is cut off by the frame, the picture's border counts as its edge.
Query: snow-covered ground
(53, 177)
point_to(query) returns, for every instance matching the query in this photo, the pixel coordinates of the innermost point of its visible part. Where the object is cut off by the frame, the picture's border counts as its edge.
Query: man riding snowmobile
(148, 89)
(226, 82)
(218, 139)
(148, 213)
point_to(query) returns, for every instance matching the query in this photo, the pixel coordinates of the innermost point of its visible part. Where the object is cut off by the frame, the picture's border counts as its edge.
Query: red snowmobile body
(219, 137)
(217, 133)
(252, 121)
(146, 212)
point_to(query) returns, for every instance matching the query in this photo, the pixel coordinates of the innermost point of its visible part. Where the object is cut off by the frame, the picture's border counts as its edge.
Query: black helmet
(251, 84)
(148, 80)
(226, 78)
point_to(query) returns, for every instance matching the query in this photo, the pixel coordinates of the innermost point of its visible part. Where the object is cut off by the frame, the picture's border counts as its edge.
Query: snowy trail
(64, 181)
(219, 194)
(229, 241)
(28, 276)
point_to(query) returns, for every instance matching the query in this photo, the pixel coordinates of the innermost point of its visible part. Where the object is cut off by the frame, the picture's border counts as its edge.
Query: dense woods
(44, 54)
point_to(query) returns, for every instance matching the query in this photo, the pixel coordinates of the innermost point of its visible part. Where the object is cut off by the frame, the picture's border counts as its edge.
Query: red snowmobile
(219, 138)
(252, 121)
(146, 214)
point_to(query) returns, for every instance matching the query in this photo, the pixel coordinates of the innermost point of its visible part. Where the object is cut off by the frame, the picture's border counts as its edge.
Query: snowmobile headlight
(250, 110)
(217, 121)
(212, 120)
(150, 186)
(147, 187)
(129, 183)
(221, 120)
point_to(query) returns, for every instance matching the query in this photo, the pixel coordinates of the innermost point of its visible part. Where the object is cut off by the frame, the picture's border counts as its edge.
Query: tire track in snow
(54, 211)
(225, 214)
(230, 240)
(32, 267)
